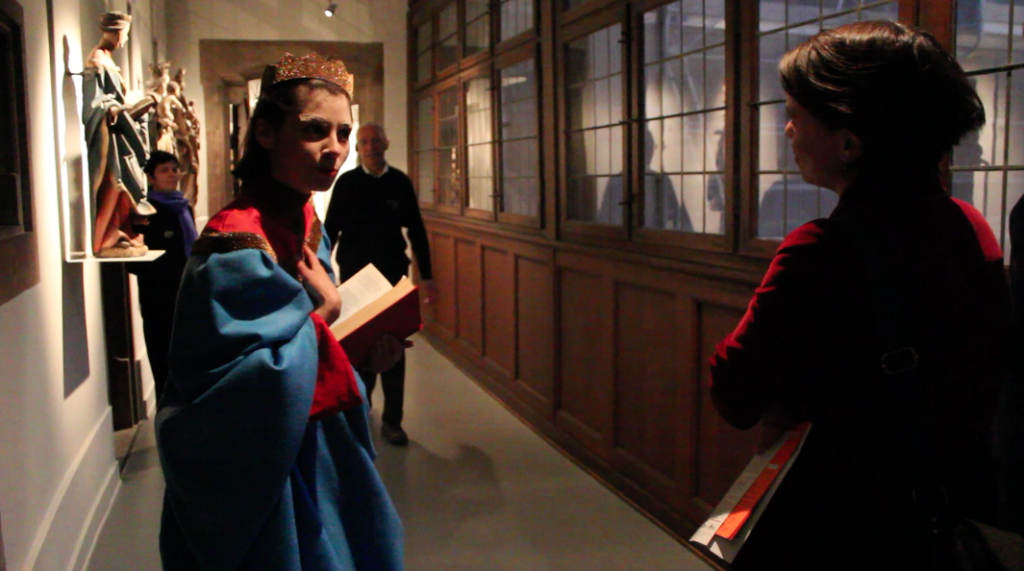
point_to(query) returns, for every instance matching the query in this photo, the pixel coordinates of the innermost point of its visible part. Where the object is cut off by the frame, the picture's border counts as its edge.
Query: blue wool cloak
(252, 483)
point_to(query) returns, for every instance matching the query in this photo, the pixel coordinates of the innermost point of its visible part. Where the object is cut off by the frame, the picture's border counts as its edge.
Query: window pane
(447, 152)
(425, 163)
(787, 202)
(594, 97)
(425, 149)
(476, 8)
(481, 177)
(771, 49)
(889, 11)
(685, 75)
(425, 124)
(424, 37)
(478, 36)
(447, 24)
(478, 27)
(424, 66)
(478, 111)
(479, 134)
(661, 202)
(448, 21)
(982, 34)
(425, 61)
(520, 149)
(516, 17)
(771, 134)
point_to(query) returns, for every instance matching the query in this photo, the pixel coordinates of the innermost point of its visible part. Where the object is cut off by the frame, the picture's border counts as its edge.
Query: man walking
(369, 207)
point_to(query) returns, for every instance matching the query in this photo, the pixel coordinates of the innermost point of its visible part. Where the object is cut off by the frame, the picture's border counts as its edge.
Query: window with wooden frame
(594, 143)
(783, 200)
(479, 146)
(671, 120)
(18, 250)
(477, 25)
(425, 51)
(988, 166)
(425, 149)
(448, 181)
(447, 49)
(516, 18)
(519, 141)
(683, 96)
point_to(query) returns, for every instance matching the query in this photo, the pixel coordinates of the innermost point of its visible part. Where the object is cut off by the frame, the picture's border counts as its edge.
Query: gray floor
(477, 490)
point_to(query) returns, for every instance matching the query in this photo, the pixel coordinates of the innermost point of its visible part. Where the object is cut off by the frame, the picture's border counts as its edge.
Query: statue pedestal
(149, 257)
(123, 366)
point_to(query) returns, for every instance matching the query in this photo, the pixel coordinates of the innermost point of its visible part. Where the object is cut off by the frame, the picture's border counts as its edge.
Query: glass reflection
(683, 100)
(594, 143)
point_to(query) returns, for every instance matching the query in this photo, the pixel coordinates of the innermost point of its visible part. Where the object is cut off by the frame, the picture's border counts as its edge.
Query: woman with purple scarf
(173, 229)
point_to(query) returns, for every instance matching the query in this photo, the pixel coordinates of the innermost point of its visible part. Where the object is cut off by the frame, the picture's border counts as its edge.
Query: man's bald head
(371, 129)
(371, 144)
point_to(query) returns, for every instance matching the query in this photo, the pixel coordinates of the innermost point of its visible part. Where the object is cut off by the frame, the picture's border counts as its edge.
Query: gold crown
(313, 66)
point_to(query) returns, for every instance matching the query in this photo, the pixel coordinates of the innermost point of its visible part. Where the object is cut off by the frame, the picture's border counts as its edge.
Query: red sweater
(809, 342)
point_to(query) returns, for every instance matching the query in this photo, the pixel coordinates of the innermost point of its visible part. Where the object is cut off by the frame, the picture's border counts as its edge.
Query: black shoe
(393, 434)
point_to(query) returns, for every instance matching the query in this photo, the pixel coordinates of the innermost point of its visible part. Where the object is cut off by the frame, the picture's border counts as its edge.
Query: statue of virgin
(117, 146)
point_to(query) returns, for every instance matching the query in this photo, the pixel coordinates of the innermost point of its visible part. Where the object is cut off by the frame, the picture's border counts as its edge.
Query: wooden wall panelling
(443, 261)
(469, 301)
(499, 309)
(649, 422)
(586, 344)
(535, 331)
(536, 319)
(721, 451)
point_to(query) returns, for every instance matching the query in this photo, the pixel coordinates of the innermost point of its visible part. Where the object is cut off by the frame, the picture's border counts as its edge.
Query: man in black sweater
(369, 207)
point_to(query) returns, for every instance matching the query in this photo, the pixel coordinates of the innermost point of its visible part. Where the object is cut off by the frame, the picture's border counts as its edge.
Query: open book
(731, 522)
(370, 307)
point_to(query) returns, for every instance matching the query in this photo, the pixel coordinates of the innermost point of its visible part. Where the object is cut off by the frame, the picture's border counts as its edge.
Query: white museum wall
(58, 473)
(384, 21)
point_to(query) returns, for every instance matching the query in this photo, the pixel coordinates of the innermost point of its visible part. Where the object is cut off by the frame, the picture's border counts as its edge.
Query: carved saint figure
(117, 145)
(168, 118)
(157, 84)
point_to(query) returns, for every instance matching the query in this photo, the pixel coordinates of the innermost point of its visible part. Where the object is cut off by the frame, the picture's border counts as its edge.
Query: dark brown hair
(893, 86)
(157, 158)
(273, 106)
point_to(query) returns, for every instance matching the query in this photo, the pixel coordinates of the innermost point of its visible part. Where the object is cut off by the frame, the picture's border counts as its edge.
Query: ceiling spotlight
(329, 12)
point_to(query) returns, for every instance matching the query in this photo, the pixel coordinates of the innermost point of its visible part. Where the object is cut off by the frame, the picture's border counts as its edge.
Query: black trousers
(157, 321)
(392, 383)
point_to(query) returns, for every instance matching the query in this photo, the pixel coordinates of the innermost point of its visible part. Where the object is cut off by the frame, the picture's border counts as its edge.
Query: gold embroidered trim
(315, 235)
(214, 242)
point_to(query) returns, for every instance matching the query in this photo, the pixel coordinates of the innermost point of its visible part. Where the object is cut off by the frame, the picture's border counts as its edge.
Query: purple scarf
(176, 201)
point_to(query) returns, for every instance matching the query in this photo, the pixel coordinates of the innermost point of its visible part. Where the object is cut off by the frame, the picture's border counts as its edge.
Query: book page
(361, 290)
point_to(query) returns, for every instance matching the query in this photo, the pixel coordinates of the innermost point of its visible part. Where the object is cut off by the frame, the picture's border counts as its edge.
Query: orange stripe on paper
(741, 513)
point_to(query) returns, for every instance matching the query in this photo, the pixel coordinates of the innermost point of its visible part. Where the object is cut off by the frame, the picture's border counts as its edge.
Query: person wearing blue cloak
(262, 430)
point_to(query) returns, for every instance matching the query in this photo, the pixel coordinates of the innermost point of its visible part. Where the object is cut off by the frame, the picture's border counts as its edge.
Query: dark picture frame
(18, 247)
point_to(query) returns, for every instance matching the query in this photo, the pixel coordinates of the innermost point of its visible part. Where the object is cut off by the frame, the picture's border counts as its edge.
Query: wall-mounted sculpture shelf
(149, 257)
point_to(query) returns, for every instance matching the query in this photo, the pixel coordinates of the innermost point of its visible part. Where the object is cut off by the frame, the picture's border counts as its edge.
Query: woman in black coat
(900, 431)
(172, 229)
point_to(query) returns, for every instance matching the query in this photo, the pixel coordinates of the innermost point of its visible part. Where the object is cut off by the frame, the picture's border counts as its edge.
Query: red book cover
(397, 312)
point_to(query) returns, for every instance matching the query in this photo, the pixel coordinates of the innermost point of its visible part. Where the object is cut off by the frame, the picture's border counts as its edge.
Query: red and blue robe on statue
(263, 433)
